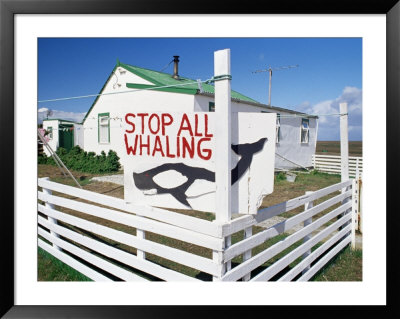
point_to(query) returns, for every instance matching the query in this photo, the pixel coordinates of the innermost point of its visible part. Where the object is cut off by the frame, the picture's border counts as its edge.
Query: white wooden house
(147, 91)
(63, 133)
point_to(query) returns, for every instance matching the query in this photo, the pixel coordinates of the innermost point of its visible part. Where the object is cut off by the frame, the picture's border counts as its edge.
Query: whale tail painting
(145, 181)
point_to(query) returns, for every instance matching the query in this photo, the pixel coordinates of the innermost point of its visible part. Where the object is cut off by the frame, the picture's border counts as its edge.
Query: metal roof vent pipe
(176, 61)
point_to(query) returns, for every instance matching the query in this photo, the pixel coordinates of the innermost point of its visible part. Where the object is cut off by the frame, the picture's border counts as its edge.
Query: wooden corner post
(344, 142)
(344, 150)
(222, 74)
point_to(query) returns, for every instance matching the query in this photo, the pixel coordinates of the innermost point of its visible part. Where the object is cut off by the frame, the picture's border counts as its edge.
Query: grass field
(50, 269)
(333, 148)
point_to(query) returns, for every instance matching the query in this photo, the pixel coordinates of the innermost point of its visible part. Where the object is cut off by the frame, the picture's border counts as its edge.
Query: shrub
(42, 158)
(88, 162)
(280, 176)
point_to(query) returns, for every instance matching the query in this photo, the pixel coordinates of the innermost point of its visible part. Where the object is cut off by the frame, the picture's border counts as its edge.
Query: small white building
(152, 91)
(63, 133)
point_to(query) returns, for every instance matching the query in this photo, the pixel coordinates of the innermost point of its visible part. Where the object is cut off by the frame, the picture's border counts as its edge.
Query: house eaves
(273, 109)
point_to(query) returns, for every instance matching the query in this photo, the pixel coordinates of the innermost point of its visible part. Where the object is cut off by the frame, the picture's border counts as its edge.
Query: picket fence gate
(78, 241)
(331, 164)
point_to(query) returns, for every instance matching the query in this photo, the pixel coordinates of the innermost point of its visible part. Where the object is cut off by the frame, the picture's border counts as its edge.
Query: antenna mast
(269, 70)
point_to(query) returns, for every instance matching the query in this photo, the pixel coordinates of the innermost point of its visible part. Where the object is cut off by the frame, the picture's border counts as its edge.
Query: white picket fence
(331, 164)
(67, 234)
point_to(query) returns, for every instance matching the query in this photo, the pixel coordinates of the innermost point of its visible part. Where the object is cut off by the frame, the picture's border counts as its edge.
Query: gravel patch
(278, 219)
(116, 179)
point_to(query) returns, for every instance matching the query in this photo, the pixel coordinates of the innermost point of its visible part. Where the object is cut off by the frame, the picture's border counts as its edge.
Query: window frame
(99, 116)
(211, 106)
(307, 130)
(278, 128)
(50, 135)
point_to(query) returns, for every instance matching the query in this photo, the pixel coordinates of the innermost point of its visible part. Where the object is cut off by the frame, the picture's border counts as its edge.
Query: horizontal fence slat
(329, 171)
(166, 216)
(266, 213)
(322, 262)
(314, 255)
(92, 259)
(247, 266)
(83, 269)
(179, 256)
(284, 226)
(335, 167)
(299, 251)
(334, 161)
(117, 254)
(136, 222)
(336, 156)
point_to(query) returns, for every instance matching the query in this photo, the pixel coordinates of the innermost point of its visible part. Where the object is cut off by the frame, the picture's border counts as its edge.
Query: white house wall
(54, 141)
(78, 135)
(290, 151)
(119, 104)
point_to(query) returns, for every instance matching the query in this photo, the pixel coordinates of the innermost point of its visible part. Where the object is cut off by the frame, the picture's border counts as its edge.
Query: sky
(329, 72)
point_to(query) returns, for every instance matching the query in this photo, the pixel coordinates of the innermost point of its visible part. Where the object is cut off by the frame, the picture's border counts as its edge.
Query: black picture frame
(8, 10)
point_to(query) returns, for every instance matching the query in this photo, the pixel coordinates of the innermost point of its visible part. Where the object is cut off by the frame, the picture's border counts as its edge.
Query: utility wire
(213, 79)
(166, 66)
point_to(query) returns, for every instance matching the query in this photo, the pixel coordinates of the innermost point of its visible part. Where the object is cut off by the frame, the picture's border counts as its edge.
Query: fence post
(222, 68)
(140, 234)
(308, 221)
(51, 219)
(248, 232)
(360, 210)
(354, 215)
(344, 142)
(344, 151)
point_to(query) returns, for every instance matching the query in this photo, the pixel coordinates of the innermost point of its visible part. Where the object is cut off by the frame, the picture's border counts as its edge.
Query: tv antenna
(269, 70)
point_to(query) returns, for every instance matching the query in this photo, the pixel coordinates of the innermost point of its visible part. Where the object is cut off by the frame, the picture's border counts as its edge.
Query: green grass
(52, 269)
(345, 266)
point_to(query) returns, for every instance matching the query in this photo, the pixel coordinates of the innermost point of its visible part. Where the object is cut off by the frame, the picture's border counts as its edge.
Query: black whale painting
(145, 180)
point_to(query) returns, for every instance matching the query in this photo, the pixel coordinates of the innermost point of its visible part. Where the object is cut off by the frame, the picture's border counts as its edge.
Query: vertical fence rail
(360, 210)
(248, 232)
(307, 222)
(344, 149)
(140, 234)
(354, 216)
(51, 220)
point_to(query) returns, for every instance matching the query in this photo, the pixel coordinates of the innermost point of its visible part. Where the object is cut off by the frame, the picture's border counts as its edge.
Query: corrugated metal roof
(162, 79)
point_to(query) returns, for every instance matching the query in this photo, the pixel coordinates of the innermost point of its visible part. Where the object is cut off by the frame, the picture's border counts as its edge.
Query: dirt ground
(56, 175)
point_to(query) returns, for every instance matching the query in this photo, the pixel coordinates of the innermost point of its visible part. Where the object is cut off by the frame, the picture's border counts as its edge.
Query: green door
(66, 136)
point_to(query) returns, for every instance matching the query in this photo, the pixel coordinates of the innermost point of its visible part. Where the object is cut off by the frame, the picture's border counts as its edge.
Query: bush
(79, 160)
(280, 176)
(42, 159)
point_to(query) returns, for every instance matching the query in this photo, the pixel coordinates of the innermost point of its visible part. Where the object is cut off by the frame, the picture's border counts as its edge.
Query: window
(50, 130)
(104, 127)
(304, 131)
(211, 106)
(278, 127)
